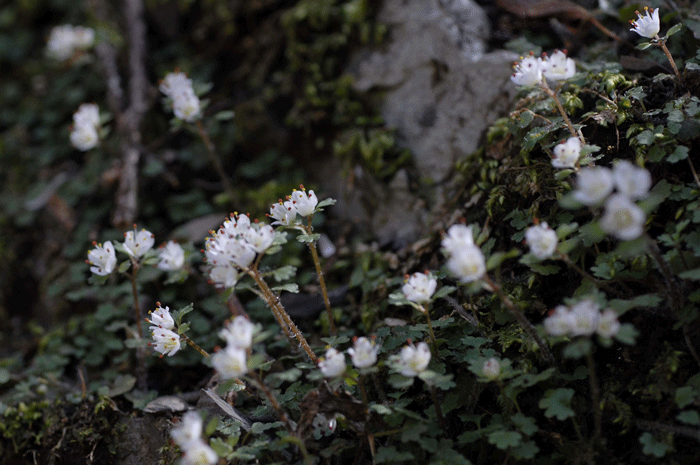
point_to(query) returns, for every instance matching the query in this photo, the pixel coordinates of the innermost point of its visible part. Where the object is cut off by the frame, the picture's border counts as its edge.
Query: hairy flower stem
(194, 345)
(216, 163)
(438, 409)
(273, 401)
(426, 310)
(141, 371)
(281, 314)
(595, 394)
(524, 322)
(662, 43)
(545, 87)
(321, 280)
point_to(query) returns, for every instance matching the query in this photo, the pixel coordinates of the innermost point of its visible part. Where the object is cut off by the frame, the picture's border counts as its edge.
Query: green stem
(216, 162)
(321, 280)
(438, 409)
(545, 87)
(595, 394)
(426, 310)
(192, 344)
(662, 43)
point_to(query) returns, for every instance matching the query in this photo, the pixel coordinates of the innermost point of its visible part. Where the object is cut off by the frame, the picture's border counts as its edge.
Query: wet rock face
(441, 89)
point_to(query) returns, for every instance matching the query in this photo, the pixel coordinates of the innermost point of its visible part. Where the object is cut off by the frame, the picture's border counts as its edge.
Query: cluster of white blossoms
(542, 240)
(166, 340)
(466, 260)
(567, 153)
(582, 319)
(102, 258)
(188, 435)
(414, 359)
(232, 361)
(65, 40)
(234, 246)
(622, 218)
(172, 257)
(530, 70)
(333, 365)
(178, 87)
(419, 287)
(86, 124)
(363, 352)
(649, 25)
(300, 203)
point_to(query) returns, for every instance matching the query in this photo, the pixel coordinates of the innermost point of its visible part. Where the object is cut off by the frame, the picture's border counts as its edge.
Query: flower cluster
(172, 257)
(234, 246)
(188, 435)
(583, 319)
(622, 218)
(166, 341)
(414, 359)
(363, 353)
(419, 287)
(232, 362)
(530, 70)
(647, 26)
(466, 260)
(65, 40)
(300, 202)
(567, 153)
(542, 240)
(102, 258)
(86, 123)
(178, 87)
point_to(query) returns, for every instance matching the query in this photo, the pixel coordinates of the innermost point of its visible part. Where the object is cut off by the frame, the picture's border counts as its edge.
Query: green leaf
(681, 153)
(291, 287)
(97, 280)
(690, 66)
(325, 203)
(527, 425)
(224, 115)
(443, 292)
(505, 439)
(308, 237)
(578, 349)
(525, 451)
(690, 417)
(643, 46)
(674, 29)
(693, 275)
(557, 403)
(685, 396)
(497, 258)
(389, 454)
(121, 385)
(646, 137)
(178, 314)
(285, 272)
(566, 229)
(627, 334)
(123, 266)
(653, 447)
(569, 202)
(646, 300)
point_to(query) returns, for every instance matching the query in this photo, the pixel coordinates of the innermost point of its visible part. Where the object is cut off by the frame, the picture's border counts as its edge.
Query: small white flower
(102, 258)
(631, 181)
(528, 72)
(419, 287)
(261, 238)
(199, 453)
(283, 212)
(585, 315)
(65, 40)
(242, 253)
(333, 365)
(542, 240)
(88, 114)
(558, 67)
(236, 225)
(560, 322)
(189, 429)
(458, 237)
(167, 342)
(223, 276)
(467, 264)
(594, 185)
(363, 353)
(567, 153)
(83, 37)
(305, 204)
(414, 359)
(491, 369)
(172, 257)
(608, 325)
(137, 243)
(84, 137)
(230, 362)
(161, 318)
(186, 106)
(176, 82)
(622, 218)
(239, 333)
(647, 26)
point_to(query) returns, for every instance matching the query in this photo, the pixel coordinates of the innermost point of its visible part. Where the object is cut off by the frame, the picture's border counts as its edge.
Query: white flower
(528, 72)
(230, 362)
(647, 26)
(585, 315)
(608, 325)
(467, 264)
(622, 218)
(631, 181)
(239, 333)
(363, 353)
(594, 185)
(558, 67)
(458, 237)
(223, 275)
(236, 225)
(189, 429)
(83, 37)
(414, 359)
(261, 238)
(567, 153)
(161, 318)
(491, 369)
(542, 240)
(419, 287)
(65, 40)
(88, 114)
(176, 82)
(172, 257)
(138, 243)
(102, 258)
(84, 137)
(178, 87)
(242, 253)
(283, 212)
(560, 322)
(167, 342)
(333, 365)
(305, 204)
(199, 453)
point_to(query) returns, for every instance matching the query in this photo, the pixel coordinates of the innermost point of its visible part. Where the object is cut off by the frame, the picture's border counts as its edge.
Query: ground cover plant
(179, 289)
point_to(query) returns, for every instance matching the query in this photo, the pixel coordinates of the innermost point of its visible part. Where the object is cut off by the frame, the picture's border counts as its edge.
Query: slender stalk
(545, 87)
(662, 43)
(438, 409)
(216, 162)
(595, 393)
(321, 281)
(524, 322)
(273, 401)
(141, 371)
(430, 328)
(194, 345)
